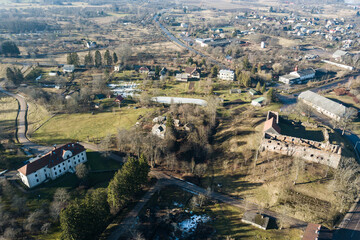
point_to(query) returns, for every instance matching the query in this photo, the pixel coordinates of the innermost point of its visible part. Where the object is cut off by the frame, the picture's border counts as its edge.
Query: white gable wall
(54, 172)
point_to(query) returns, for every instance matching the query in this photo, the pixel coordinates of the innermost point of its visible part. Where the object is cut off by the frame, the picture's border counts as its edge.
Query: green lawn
(98, 162)
(84, 126)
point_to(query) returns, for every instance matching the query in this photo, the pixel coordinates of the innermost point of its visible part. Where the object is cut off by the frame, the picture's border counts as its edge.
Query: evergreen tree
(127, 182)
(73, 59)
(115, 57)
(271, 95)
(263, 89)
(157, 70)
(86, 218)
(108, 58)
(88, 59)
(214, 71)
(258, 87)
(14, 75)
(190, 61)
(98, 61)
(246, 63)
(9, 48)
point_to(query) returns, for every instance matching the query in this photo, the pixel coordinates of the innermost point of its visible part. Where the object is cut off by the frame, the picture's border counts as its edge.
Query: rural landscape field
(179, 119)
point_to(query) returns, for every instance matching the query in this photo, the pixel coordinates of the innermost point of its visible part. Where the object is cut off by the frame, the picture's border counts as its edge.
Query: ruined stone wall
(323, 153)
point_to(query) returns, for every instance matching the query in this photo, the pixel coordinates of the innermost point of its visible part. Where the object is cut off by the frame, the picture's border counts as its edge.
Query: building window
(64, 169)
(63, 164)
(35, 175)
(37, 180)
(83, 159)
(55, 173)
(68, 161)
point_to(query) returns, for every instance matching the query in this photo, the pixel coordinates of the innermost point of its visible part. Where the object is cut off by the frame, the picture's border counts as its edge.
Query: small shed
(253, 92)
(256, 219)
(68, 68)
(258, 102)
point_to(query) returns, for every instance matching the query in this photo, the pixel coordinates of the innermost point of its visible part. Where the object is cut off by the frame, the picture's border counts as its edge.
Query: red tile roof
(190, 70)
(271, 123)
(316, 232)
(51, 158)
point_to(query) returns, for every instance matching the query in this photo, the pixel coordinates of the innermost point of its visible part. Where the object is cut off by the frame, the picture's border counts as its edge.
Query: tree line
(97, 60)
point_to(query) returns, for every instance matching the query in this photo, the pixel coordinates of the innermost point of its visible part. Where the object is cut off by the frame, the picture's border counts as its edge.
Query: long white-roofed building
(323, 105)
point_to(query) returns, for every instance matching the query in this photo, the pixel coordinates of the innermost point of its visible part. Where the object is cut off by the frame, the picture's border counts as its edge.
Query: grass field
(8, 113)
(84, 126)
(36, 116)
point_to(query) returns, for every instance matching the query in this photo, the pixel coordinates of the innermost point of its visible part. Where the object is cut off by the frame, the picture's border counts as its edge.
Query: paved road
(174, 39)
(350, 226)
(28, 146)
(130, 221)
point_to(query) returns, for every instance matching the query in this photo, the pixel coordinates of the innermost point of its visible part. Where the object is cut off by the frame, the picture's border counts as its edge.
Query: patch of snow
(176, 204)
(189, 225)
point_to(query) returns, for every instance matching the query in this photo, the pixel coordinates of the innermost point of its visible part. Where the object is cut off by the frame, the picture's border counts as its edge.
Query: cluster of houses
(53, 164)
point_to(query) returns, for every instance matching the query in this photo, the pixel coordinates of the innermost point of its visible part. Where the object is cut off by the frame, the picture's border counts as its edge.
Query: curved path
(29, 147)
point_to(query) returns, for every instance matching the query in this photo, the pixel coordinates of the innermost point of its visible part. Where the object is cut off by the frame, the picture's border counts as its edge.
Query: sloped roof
(323, 102)
(259, 100)
(191, 70)
(339, 53)
(51, 158)
(271, 124)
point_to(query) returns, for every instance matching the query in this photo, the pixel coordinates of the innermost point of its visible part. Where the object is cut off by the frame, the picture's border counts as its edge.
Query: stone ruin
(319, 152)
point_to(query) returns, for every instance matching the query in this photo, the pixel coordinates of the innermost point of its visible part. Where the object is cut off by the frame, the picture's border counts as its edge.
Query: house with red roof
(52, 164)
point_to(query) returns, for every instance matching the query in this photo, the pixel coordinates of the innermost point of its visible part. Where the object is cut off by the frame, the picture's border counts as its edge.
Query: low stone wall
(327, 154)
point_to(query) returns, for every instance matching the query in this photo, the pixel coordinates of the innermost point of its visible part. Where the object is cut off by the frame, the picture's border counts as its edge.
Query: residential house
(258, 102)
(91, 44)
(182, 77)
(193, 72)
(317, 232)
(323, 105)
(227, 75)
(68, 68)
(119, 99)
(117, 68)
(52, 164)
(144, 70)
(163, 71)
(159, 130)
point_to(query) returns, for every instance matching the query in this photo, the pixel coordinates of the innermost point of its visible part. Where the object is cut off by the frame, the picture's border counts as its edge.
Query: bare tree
(348, 118)
(82, 171)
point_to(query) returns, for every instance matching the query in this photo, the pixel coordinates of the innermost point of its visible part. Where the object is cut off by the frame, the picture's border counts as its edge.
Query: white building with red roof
(52, 164)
